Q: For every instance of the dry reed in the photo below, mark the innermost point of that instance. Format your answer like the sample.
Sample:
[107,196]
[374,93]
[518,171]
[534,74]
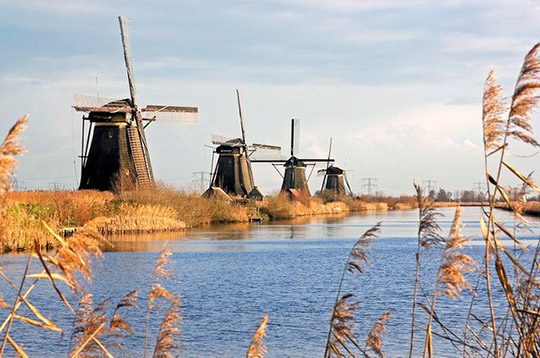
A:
[257,347]
[374,340]
[167,339]
[450,275]
[428,236]
[341,336]
[158,296]
[9,149]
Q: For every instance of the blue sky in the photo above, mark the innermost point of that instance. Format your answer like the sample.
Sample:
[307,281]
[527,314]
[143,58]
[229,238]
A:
[397,84]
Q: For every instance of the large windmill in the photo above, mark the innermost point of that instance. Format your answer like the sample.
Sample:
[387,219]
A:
[114,147]
[233,173]
[335,180]
[295,182]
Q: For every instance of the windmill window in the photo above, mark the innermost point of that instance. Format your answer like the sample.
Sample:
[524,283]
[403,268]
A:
[110,134]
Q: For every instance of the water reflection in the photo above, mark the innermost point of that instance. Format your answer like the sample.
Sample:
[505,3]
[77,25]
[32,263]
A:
[242,236]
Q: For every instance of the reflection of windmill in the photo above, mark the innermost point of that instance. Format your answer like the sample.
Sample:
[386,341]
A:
[335,180]
[118,151]
[294,180]
[233,173]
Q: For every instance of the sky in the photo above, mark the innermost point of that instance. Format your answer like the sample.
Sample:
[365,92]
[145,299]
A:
[397,84]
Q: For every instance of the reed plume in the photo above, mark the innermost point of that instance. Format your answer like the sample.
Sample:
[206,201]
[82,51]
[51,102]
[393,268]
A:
[74,258]
[342,316]
[525,98]
[257,347]
[167,339]
[9,149]
[450,274]
[455,264]
[428,228]
[359,255]
[374,340]
[492,110]
[118,325]
[169,326]
[342,341]
[89,326]
[428,236]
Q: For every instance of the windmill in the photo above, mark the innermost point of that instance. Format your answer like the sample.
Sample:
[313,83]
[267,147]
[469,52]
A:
[233,174]
[295,182]
[335,180]
[114,147]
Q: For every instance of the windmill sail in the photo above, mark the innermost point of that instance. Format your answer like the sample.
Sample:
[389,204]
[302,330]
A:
[86,103]
[126,44]
[295,136]
[116,149]
[139,151]
[264,151]
[219,139]
[171,114]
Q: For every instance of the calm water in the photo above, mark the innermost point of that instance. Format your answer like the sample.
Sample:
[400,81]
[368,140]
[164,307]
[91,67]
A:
[230,276]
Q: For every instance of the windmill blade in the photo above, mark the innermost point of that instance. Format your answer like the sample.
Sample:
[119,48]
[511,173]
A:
[295,136]
[239,100]
[86,103]
[266,147]
[171,114]
[221,139]
[265,151]
[126,43]
[329,154]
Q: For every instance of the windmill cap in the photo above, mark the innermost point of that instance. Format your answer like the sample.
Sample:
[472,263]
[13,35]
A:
[334,170]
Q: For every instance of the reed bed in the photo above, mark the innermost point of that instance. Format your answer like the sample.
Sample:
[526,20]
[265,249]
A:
[281,207]
[156,209]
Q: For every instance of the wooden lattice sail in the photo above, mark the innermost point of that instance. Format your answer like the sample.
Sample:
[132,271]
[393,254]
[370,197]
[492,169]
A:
[114,147]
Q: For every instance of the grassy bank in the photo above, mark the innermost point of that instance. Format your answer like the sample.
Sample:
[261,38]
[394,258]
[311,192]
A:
[152,210]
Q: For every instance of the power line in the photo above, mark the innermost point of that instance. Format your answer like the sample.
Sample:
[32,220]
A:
[430,185]
[201,181]
[479,187]
[370,184]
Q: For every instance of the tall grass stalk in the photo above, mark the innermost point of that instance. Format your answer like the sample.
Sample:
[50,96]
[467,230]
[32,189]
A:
[450,274]
[257,347]
[339,331]
[428,235]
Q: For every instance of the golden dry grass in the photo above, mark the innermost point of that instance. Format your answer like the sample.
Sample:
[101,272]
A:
[156,209]
[281,207]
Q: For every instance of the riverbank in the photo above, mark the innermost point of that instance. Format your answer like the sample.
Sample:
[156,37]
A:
[160,209]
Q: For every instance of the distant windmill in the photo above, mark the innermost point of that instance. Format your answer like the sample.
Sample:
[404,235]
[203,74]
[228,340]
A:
[118,150]
[335,180]
[295,182]
[233,173]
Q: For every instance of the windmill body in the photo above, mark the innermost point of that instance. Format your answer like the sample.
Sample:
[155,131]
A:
[233,173]
[114,147]
[335,181]
[295,181]
[295,177]
[115,153]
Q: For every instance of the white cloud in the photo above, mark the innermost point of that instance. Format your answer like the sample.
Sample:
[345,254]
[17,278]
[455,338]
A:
[60,6]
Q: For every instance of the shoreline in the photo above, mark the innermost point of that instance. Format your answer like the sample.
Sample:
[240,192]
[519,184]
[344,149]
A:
[164,209]
[157,210]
